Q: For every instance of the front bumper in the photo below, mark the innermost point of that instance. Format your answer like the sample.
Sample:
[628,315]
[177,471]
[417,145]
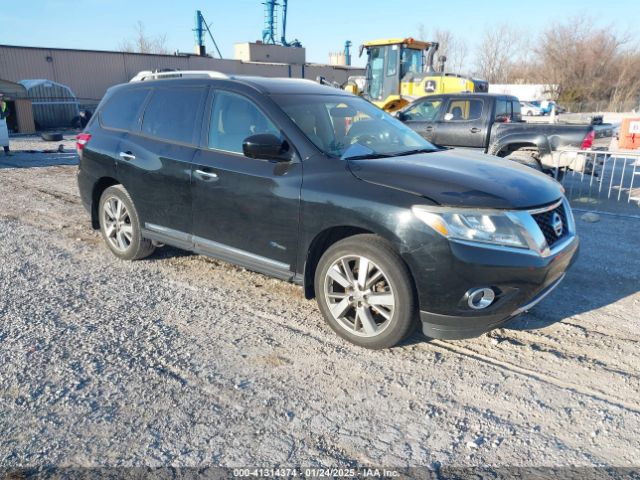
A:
[455,328]
[520,278]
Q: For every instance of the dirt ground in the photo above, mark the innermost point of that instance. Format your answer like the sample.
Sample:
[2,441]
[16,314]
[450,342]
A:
[186,361]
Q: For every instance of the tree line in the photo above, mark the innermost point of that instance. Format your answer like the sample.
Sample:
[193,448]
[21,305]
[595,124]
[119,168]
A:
[585,66]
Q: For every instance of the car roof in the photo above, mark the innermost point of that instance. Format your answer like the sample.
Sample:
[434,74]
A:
[289,85]
[477,95]
[265,85]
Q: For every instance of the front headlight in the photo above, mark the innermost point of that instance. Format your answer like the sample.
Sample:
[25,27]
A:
[488,226]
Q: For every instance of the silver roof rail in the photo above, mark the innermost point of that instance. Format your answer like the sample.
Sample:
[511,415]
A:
[149,75]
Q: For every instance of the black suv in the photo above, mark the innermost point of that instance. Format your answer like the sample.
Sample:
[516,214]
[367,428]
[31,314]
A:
[319,187]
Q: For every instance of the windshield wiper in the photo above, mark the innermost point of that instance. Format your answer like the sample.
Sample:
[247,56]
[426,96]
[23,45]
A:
[413,152]
[367,156]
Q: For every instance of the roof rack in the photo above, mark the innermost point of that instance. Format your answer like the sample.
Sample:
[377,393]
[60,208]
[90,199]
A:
[149,75]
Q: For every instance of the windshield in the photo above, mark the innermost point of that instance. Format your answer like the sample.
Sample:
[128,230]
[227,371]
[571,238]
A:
[349,126]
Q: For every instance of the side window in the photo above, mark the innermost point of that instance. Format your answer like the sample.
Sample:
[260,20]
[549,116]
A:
[502,109]
[234,118]
[122,108]
[316,124]
[516,115]
[171,114]
[425,111]
[392,61]
[376,72]
[464,110]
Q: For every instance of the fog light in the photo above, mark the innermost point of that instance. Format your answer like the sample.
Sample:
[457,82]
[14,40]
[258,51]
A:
[480,298]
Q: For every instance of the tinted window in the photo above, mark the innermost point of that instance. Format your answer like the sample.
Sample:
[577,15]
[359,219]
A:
[464,110]
[172,113]
[425,111]
[234,118]
[121,109]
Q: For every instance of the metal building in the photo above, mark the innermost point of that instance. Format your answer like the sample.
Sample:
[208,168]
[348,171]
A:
[90,72]
[54,104]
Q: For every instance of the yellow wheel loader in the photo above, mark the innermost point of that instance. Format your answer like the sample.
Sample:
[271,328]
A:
[399,70]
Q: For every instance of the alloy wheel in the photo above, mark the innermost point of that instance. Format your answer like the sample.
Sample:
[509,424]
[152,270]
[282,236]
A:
[359,295]
[117,224]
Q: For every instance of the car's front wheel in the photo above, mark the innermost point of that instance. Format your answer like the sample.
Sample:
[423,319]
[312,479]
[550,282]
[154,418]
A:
[120,225]
[365,292]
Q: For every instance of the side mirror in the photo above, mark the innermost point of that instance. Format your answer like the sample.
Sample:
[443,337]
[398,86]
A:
[448,117]
[400,115]
[266,146]
[502,119]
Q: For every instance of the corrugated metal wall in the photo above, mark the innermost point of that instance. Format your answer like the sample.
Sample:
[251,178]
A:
[89,73]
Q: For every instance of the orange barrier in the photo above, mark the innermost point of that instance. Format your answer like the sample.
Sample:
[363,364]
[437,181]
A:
[629,134]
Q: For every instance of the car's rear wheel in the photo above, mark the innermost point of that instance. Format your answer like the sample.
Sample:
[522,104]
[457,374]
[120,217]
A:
[365,292]
[120,225]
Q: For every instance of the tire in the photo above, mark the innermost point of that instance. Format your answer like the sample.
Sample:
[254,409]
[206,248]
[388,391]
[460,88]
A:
[525,158]
[120,225]
[348,307]
[51,137]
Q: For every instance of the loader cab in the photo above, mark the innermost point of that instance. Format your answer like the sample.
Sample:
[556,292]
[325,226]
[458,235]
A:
[389,63]
[382,77]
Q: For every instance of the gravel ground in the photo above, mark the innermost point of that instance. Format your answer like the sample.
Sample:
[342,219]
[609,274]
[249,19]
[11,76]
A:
[185,361]
[24,143]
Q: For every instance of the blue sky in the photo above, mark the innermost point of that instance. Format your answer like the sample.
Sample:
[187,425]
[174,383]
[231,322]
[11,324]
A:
[320,26]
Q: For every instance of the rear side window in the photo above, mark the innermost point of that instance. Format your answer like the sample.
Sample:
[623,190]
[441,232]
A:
[122,108]
[172,113]
[516,115]
[502,109]
[464,110]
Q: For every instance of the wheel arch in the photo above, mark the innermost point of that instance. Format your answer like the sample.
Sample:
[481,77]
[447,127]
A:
[507,149]
[512,142]
[100,186]
[328,237]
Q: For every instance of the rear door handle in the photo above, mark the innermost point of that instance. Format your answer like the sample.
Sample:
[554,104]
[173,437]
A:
[206,175]
[475,129]
[128,156]
[428,129]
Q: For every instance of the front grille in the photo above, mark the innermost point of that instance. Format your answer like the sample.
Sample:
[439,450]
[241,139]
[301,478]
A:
[545,221]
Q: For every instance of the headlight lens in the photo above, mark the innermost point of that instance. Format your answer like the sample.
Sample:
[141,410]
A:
[473,225]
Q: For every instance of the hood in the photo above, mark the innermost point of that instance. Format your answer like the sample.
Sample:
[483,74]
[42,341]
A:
[461,178]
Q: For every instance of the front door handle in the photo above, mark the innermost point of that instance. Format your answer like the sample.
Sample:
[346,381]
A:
[206,175]
[128,156]
[428,129]
[475,130]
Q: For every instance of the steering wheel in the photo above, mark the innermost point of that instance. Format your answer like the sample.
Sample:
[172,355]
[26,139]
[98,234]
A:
[365,139]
